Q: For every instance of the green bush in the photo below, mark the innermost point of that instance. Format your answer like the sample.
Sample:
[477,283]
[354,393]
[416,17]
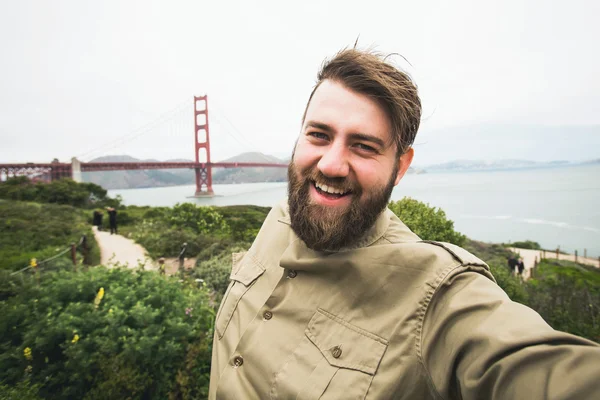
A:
[526,244]
[30,230]
[23,390]
[214,266]
[567,296]
[198,219]
[62,191]
[162,240]
[244,221]
[429,223]
[148,336]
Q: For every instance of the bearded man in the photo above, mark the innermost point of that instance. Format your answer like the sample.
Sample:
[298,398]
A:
[338,299]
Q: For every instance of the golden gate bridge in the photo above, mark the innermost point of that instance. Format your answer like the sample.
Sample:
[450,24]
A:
[203,170]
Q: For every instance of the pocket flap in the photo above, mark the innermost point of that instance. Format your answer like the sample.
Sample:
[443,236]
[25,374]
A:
[245,269]
[345,345]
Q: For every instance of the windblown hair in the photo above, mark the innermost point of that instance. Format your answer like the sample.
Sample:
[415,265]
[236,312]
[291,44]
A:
[367,72]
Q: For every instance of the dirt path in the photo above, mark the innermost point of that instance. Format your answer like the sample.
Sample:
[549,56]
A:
[530,256]
[118,250]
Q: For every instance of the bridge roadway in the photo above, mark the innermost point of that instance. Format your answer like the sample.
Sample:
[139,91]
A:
[116,166]
[56,170]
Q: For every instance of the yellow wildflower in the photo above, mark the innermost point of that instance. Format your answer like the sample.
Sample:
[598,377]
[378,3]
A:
[99,297]
[27,354]
[75,338]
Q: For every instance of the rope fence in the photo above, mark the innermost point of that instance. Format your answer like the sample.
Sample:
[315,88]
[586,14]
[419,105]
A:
[71,248]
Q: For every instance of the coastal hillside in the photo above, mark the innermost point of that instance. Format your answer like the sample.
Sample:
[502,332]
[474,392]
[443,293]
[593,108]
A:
[173,177]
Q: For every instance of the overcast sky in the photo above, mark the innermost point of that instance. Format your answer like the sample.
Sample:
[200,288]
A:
[504,79]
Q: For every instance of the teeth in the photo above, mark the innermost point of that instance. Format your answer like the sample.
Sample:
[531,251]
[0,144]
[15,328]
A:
[329,189]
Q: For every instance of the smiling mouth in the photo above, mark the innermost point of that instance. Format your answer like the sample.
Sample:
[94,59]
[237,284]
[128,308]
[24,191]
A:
[331,191]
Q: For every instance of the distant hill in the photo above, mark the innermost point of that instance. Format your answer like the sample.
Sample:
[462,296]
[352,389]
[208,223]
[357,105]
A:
[487,165]
[250,175]
[171,177]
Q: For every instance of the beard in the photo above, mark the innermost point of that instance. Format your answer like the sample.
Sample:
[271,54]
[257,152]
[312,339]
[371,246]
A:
[325,228]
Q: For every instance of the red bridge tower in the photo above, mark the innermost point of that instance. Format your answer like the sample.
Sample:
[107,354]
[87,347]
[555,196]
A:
[202,142]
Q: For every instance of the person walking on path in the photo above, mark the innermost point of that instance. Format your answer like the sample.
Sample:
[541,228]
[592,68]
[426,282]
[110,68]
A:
[521,266]
[97,221]
[112,219]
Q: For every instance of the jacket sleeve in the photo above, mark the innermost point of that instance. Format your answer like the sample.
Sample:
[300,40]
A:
[478,344]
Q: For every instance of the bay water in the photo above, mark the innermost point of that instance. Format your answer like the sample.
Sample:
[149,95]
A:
[557,206]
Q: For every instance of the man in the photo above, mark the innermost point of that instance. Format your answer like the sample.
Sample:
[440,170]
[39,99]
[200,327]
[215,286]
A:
[112,219]
[338,299]
[521,266]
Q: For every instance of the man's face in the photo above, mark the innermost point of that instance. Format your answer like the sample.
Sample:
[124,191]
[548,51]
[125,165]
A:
[343,169]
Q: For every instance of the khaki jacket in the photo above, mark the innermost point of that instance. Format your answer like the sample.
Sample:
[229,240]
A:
[393,318]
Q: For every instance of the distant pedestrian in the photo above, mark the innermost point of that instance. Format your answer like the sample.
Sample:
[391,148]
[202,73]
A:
[97,219]
[112,219]
[512,264]
[521,266]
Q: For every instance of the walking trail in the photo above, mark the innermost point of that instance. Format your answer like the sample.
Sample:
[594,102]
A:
[118,250]
[530,256]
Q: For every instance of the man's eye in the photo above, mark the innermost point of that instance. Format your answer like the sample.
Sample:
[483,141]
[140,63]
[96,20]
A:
[318,135]
[365,147]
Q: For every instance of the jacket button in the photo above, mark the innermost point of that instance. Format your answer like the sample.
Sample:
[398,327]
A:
[238,361]
[267,315]
[336,352]
[292,274]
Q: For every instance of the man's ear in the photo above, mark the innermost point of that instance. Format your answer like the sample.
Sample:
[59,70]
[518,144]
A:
[404,163]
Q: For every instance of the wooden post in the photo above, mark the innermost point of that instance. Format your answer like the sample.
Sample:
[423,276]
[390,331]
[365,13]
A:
[575,255]
[557,251]
[584,253]
[86,250]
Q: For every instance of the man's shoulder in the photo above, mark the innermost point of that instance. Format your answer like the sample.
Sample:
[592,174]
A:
[398,234]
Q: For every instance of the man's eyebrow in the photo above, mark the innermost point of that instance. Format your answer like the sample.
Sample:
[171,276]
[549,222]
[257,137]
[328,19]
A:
[368,138]
[319,125]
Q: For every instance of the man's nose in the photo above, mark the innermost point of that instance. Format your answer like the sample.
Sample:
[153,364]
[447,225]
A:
[334,162]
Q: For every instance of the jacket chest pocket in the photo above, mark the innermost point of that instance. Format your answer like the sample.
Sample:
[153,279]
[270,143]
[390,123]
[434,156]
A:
[334,360]
[244,272]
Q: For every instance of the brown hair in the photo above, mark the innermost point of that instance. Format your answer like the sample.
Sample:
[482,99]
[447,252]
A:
[368,73]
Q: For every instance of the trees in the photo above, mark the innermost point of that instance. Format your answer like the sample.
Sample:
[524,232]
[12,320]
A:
[62,191]
[429,223]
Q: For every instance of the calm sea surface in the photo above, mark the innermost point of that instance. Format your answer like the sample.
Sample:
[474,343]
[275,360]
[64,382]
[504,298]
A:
[553,206]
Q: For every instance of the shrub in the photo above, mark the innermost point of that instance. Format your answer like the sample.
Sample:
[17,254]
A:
[40,231]
[145,336]
[216,268]
[162,240]
[62,191]
[244,221]
[429,223]
[527,244]
[567,296]
[199,219]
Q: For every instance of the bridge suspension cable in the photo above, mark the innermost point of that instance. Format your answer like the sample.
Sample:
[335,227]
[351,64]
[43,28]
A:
[138,132]
[239,137]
